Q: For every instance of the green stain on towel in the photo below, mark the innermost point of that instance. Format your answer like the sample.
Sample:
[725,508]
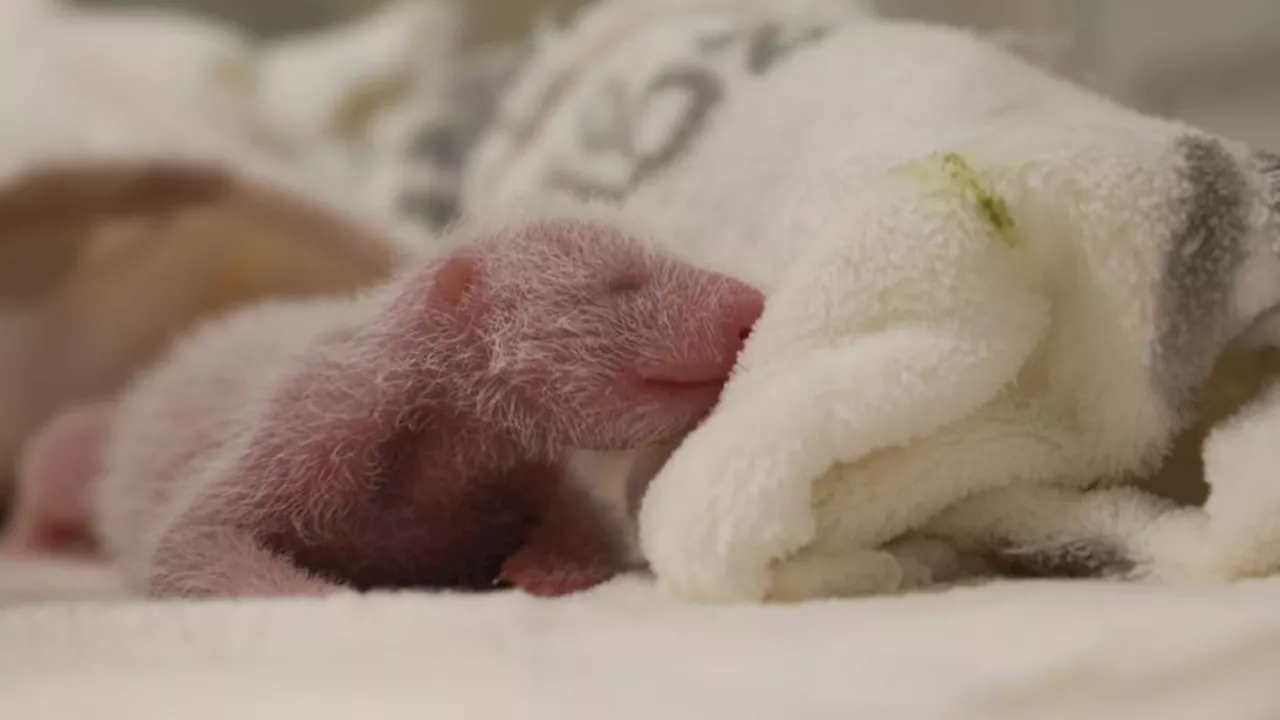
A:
[949,172]
[993,207]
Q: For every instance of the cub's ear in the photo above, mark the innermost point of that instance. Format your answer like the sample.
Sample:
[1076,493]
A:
[455,277]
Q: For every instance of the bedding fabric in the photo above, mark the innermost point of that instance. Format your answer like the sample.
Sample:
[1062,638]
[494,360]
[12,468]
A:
[1014,650]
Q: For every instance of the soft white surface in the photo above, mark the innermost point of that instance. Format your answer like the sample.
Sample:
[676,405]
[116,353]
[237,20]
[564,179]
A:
[1023,651]
[30,580]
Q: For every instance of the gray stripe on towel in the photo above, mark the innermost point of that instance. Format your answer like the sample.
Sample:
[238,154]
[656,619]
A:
[1194,315]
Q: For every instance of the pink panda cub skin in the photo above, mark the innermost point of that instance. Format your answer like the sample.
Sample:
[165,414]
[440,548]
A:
[416,436]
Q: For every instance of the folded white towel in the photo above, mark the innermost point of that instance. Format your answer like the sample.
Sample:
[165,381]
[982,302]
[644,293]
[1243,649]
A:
[980,276]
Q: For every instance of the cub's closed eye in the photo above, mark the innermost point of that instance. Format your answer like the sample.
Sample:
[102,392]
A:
[627,282]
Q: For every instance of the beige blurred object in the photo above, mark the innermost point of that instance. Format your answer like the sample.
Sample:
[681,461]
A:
[104,265]
[493,21]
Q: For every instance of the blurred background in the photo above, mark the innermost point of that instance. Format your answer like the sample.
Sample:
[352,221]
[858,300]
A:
[1213,63]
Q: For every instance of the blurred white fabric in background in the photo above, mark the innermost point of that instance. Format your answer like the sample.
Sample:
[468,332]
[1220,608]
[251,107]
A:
[1214,64]
[1209,62]
[154,80]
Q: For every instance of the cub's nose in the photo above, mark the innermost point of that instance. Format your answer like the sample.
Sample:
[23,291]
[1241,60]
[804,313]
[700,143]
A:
[743,309]
[707,353]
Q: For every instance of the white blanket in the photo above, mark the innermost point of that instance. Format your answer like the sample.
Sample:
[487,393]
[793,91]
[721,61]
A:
[1012,651]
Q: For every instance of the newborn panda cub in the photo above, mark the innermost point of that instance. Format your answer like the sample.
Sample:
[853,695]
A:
[416,436]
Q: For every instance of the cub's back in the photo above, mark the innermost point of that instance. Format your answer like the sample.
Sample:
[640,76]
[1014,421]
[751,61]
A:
[177,427]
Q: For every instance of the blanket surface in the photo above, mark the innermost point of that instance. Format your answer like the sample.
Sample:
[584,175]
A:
[1026,651]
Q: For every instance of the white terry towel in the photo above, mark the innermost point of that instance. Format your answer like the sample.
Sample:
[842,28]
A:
[980,278]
